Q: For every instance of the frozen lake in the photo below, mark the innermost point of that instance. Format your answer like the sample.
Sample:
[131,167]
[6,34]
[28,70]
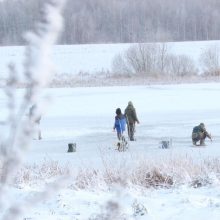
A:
[85,116]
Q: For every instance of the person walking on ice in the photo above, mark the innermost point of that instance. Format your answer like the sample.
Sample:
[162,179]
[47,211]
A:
[120,123]
[34,118]
[199,133]
[131,116]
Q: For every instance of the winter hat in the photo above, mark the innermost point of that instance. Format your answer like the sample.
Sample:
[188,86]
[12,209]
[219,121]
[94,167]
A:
[130,103]
[118,111]
[202,125]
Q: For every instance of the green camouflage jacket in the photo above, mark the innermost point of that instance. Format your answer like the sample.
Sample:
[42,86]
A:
[131,115]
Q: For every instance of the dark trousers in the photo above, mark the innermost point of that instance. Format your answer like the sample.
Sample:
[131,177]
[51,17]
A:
[119,135]
[200,136]
[131,129]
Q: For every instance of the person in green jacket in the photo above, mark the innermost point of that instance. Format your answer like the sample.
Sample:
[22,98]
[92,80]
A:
[131,117]
[199,133]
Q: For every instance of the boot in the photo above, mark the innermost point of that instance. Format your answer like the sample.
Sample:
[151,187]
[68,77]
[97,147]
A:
[202,142]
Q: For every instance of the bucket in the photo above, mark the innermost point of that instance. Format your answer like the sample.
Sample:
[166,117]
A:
[71,147]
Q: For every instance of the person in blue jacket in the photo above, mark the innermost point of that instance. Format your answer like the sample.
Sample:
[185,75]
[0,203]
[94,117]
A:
[120,123]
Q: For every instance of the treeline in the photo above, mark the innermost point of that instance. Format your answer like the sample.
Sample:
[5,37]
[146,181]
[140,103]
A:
[102,21]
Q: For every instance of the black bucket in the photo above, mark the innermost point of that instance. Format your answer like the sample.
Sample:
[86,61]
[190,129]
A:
[71,147]
[165,144]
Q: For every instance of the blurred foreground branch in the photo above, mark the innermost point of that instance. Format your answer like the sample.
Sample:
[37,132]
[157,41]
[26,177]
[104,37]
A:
[38,68]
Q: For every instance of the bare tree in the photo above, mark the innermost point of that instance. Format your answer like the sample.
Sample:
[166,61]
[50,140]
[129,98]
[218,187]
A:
[147,59]
[180,66]
[210,60]
[153,60]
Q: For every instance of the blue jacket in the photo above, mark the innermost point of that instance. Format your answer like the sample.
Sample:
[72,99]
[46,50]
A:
[120,123]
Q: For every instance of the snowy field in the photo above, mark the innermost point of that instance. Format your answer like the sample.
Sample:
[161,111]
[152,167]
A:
[85,116]
[72,59]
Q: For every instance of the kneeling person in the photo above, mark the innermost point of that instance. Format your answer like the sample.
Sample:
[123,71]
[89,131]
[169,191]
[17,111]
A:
[199,133]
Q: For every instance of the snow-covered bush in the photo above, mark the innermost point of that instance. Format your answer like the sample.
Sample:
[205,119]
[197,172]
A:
[139,209]
[152,60]
[34,174]
[210,61]
[138,59]
[165,173]
[180,66]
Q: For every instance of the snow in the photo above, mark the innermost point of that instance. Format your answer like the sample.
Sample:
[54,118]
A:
[85,116]
[73,59]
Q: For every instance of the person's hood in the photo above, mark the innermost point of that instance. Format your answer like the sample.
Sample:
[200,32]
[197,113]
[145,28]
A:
[130,103]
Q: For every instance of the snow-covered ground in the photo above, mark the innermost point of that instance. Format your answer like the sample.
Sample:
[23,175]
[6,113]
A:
[85,116]
[92,58]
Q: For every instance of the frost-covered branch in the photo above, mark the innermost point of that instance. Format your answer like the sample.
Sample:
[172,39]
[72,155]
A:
[38,68]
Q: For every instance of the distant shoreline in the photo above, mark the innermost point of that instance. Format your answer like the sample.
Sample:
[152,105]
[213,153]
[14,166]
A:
[72,81]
